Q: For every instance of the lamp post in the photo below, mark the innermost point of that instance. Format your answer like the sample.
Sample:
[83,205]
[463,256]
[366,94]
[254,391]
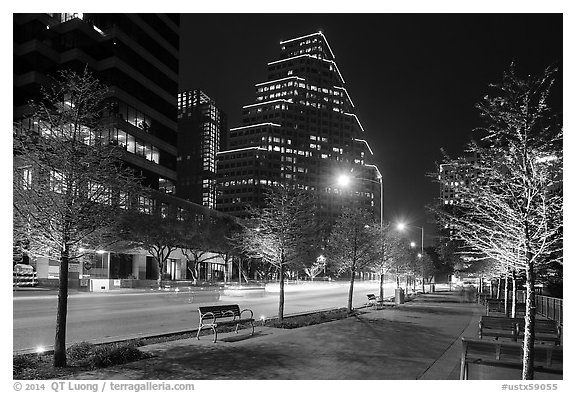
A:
[401,226]
[345,180]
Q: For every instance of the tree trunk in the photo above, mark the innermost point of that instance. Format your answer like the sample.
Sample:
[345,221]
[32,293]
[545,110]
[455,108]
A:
[160,268]
[513,314]
[351,290]
[506,294]
[61,313]
[529,320]
[423,289]
[491,288]
[381,286]
[281,302]
[498,292]
[239,271]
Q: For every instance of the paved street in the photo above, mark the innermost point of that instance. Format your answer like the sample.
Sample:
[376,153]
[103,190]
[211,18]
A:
[111,316]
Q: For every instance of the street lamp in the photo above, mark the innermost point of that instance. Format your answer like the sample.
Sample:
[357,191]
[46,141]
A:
[344,181]
[401,226]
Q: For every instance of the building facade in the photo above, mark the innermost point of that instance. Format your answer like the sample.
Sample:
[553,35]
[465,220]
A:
[301,130]
[202,128]
[136,56]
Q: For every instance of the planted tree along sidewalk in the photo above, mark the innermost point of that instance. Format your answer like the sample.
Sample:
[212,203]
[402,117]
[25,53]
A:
[70,185]
[353,244]
[281,233]
[512,211]
[391,252]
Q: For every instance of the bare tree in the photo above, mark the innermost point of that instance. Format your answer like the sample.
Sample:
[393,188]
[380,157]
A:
[69,185]
[391,252]
[159,236]
[512,211]
[206,240]
[316,268]
[281,233]
[353,244]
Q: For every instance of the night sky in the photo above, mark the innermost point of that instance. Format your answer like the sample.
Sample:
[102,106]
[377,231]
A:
[414,78]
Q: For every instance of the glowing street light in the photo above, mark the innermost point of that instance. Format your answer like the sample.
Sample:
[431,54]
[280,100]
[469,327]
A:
[401,226]
[344,181]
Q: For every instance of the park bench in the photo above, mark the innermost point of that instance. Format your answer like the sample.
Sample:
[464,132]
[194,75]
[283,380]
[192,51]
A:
[547,358]
[376,302]
[494,305]
[497,306]
[497,327]
[545,330]
[221,315]
[372,299]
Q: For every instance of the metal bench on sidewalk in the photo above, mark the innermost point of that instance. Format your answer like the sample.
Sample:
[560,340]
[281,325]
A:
[223,315]
[377,302]
[509,354]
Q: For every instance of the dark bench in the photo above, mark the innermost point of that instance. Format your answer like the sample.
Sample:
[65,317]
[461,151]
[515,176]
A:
[545,330]
[372,299]
[497,306]
[494,305]
[376,302]
[223,315]
[496,327]
[547,358]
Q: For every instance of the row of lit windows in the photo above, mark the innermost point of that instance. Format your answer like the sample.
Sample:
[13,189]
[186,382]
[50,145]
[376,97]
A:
[112,136]
[287,84]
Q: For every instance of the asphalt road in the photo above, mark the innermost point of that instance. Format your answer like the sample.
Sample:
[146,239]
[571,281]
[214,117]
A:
[108,316]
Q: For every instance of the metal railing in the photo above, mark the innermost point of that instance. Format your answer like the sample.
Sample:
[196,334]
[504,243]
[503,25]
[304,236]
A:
[546,306]
[549,307]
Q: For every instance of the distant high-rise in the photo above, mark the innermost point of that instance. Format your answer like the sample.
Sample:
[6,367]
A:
[453,178]
[301,130]
[202,129]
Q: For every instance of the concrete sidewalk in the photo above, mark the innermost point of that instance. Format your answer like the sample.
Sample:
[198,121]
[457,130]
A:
[417,340]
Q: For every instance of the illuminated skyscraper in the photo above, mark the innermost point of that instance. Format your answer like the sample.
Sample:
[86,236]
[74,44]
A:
[201,132]
[301,130]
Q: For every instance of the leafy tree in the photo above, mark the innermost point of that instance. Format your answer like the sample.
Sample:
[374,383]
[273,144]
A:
[69,185]
[353,244]
[512,211]
[281,233]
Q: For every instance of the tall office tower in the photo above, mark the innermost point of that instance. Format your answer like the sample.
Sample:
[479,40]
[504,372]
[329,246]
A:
[452,178]
[301,130]
[202,128]
[136,55]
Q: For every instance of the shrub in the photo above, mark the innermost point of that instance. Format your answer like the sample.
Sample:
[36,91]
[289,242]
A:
[113,354]
[80,353]
[23,362]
